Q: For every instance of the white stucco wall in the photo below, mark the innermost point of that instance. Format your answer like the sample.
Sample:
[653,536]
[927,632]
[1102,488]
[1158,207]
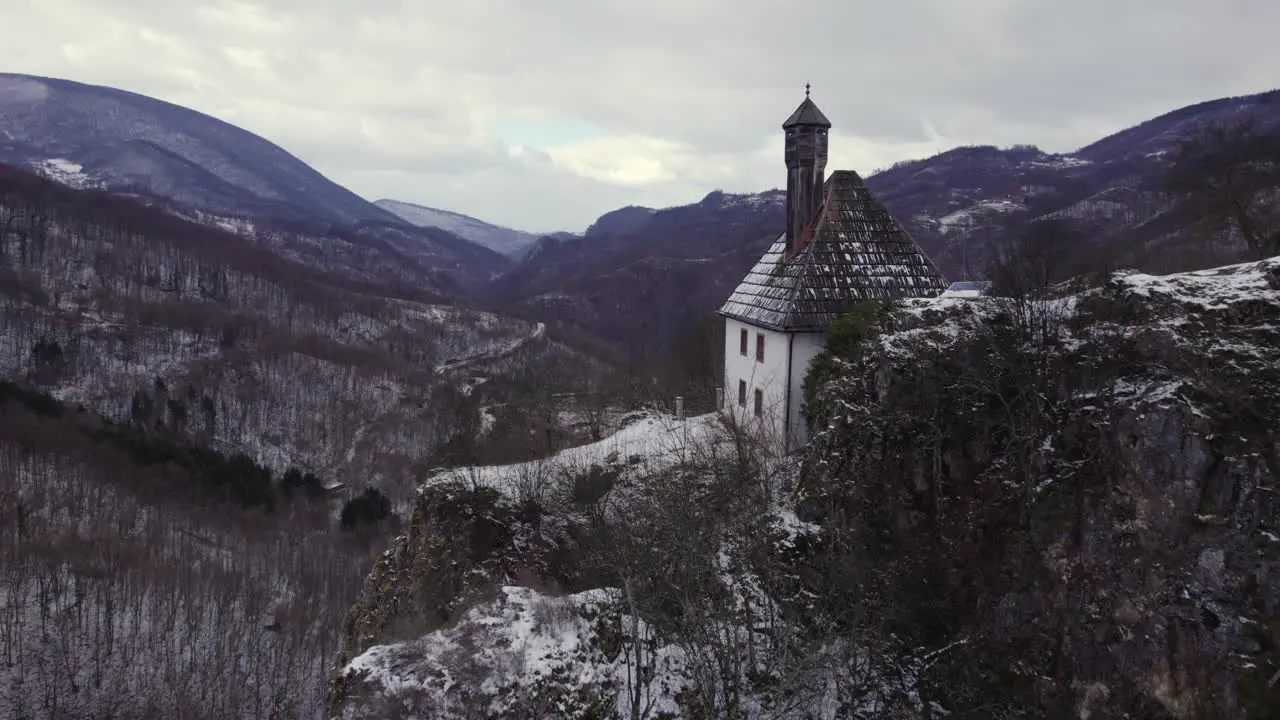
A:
[771,377]
[804,347]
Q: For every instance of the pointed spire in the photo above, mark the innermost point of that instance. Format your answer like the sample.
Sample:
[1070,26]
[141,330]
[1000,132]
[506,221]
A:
[807,114]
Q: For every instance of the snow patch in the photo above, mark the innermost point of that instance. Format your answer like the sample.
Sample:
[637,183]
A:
[65,166]
[23,90]
[659,440]
[511,644]
[1214,289]
[495,237]
[963,219]
[65,171]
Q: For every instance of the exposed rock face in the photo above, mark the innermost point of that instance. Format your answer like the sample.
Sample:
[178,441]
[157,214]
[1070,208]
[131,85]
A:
[1081,490]
[654,594]
[1056,508]
[461,544]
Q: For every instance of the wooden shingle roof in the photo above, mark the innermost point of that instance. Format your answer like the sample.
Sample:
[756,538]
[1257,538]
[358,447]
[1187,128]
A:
[807,114]
[856,251]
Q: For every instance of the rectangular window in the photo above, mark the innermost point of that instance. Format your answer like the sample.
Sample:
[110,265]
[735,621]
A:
[742,393]
[759,347]
[759,404]
[742,343]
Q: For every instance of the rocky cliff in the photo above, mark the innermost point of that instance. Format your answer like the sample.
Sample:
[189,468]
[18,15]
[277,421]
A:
[1079,488]
[1051,505]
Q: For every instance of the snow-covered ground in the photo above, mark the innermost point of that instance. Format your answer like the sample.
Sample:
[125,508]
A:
[1212,289]
[592,653]
[65,172]
[963,219]
[652,441]
[520,638]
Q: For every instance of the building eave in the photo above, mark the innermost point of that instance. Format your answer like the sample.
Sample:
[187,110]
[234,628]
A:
[790,329]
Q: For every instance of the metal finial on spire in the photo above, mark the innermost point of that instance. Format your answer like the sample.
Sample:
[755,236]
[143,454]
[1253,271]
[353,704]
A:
[806,89]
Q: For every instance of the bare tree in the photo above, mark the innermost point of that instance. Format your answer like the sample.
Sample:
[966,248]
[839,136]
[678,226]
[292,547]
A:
[1231,172]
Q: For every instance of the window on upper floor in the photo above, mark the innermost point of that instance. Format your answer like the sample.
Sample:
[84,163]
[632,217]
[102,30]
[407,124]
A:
[742,342]
[742,393]
[759,403]
[759,347]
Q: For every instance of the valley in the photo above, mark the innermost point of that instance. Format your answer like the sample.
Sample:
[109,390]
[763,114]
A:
[123,315]
[274,450]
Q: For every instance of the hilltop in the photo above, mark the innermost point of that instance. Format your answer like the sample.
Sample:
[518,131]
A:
[1084,490]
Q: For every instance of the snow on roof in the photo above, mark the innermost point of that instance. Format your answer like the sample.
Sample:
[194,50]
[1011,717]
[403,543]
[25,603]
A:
[967,289]
[857,252]
[658,440]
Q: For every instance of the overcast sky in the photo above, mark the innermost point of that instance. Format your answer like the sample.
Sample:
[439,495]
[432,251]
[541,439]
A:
[543,114]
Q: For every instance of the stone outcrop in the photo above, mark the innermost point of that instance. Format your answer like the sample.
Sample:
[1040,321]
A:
[1080,489]
[1059,507]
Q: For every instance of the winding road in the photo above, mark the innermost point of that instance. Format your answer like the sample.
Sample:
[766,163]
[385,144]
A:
[539,331]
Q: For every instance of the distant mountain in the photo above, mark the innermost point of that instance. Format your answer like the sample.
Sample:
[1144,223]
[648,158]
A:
[957,202]
[645,271]
[639,276]
[509,242]
[119,140]
[200,167]
[625,220]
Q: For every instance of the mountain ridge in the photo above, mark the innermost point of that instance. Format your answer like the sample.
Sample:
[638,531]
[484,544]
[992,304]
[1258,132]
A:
[196,165]
[959,205]
[72,107]
[508,241]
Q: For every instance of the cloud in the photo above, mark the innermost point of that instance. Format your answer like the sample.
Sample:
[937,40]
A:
[545,115]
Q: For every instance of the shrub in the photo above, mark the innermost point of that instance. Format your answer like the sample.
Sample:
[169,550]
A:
[370,507]
[845,340]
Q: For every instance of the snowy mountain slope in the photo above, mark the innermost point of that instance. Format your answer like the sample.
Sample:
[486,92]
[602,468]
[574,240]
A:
[639,276]
[1111,189]
[126,141]
[425,259]
[1160,134]
[509,242]
[87,136]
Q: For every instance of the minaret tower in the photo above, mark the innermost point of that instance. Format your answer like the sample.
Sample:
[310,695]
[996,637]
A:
[806,155]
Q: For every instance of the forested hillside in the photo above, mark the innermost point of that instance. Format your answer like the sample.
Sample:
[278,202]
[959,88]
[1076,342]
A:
[137,314]
[147,576]
[202,444]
